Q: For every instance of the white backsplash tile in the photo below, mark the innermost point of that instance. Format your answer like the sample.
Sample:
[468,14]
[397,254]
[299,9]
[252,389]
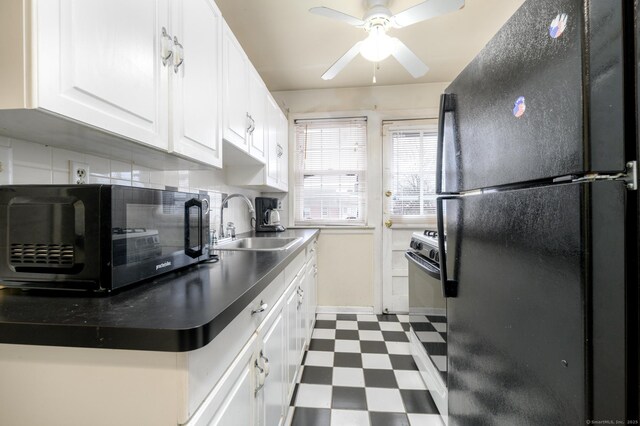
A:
[120,170]
[60,178]
[30,175]
[121,182]
[99,179]
[140,174]
[99,166]
[25,162]
[61,158]
[33,155]
[156,177]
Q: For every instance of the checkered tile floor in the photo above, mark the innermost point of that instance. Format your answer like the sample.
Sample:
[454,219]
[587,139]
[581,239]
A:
[359,371]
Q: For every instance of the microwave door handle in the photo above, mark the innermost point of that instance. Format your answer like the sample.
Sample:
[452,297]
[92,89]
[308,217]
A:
[446,106]
[449,286]
[194,202]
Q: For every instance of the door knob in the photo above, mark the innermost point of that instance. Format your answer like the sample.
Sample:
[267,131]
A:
[388,193]
[388,223]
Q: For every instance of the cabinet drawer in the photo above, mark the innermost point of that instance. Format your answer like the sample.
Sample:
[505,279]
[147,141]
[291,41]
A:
[206,365]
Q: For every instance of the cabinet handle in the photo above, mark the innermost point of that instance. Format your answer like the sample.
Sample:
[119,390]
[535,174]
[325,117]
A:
[267,366]
[178,59]
[280,150]
[263,307]
[167,53]
[261,377]
[251,125]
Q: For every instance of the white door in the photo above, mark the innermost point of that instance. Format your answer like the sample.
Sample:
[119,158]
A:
[258,116]
[274,391]
[409,160]
[100,62]
[197,80]
[236,91]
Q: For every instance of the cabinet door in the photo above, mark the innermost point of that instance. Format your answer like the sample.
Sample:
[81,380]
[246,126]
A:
[100,63]
[236,91]
[275,385]
[232,401]
[258,116]
[273,162]
[283,158]
[303,311]
[292,342]
[197,80]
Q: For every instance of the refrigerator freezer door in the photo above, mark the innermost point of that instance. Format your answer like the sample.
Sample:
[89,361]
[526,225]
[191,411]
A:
[536,332]
[537,102]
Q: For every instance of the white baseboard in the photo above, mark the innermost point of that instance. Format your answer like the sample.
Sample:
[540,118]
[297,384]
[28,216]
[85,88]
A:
[344,309]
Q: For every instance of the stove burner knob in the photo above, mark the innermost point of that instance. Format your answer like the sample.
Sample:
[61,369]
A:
[432,254]
[437,257]
[412,244]
[418,246]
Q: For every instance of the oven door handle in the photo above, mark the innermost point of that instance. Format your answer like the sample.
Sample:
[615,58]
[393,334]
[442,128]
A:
[194,202]
[425,267]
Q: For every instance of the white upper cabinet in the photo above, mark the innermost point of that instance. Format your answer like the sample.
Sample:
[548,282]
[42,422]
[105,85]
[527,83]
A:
[257,116]
[196,80]
[278,155]
[99,62]
[117,73]
[236,91]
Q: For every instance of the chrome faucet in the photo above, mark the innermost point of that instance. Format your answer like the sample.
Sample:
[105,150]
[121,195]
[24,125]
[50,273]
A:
[224,201]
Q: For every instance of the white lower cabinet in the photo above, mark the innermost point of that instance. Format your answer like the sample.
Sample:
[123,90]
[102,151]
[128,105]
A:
[292,313]
[270,366]
[232,401]
[244,377]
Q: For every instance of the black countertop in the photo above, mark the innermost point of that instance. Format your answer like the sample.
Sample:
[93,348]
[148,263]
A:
[177,312]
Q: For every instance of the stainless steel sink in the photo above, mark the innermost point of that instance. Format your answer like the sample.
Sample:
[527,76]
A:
[258,244]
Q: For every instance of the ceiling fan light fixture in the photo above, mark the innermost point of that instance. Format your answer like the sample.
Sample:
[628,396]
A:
[377,46]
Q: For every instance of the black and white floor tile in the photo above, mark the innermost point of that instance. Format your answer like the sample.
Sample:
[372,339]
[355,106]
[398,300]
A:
[359,371]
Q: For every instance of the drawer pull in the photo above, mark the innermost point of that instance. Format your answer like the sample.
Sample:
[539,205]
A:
[263,307]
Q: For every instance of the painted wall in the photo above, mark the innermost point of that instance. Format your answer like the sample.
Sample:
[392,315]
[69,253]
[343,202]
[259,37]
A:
[350,272]
[23,162]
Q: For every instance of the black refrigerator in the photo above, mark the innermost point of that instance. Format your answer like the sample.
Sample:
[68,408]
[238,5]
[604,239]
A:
[538,201]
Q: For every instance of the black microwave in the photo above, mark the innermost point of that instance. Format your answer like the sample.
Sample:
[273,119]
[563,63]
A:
[97,237]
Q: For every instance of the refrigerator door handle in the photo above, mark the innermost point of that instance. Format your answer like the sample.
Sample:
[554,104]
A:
[449,286]
[446,106]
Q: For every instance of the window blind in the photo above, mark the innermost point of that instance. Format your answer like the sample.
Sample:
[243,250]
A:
[412,175]
[330,171]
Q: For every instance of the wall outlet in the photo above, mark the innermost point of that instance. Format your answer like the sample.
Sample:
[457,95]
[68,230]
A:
[78,173]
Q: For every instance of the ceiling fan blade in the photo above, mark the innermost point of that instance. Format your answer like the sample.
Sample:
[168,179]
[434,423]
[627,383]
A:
[342,62]
[408,59]
[334,14]
[425,10]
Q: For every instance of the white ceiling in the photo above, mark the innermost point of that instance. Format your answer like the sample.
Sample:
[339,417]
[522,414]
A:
[291,48]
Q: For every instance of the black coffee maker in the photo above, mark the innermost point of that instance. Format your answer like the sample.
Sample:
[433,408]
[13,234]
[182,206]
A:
[267,215]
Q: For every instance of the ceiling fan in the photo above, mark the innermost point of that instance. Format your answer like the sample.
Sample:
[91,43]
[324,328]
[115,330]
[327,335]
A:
[377,21]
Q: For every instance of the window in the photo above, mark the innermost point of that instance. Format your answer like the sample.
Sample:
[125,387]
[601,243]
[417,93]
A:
[412,174]
[330,171]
